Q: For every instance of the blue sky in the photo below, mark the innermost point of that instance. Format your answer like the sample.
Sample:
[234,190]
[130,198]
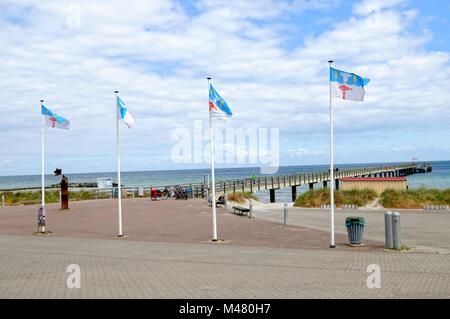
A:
[267,59]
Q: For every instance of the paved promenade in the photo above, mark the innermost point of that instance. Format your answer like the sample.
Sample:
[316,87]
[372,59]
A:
[167,254]
[420,229]
[175,221]
[35,267]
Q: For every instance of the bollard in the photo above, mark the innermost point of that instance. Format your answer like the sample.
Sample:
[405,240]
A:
[3,200]
[396,239]
[285,213]
[226,201]
[250,207]
[388,230]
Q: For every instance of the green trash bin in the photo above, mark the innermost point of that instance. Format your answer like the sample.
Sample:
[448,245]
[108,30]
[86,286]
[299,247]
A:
[355,229]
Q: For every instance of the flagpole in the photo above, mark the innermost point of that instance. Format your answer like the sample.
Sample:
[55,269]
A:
[42,162]
[332,181]
[119,188]
[213,182]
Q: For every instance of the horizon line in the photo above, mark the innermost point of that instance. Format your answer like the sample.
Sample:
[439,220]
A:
[218,168]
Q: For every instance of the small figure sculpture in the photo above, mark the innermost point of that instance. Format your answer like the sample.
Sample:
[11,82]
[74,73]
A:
[64,189]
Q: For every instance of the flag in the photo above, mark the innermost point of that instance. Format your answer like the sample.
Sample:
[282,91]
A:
[124,113]
[347,86]
[218,108]
[54,120]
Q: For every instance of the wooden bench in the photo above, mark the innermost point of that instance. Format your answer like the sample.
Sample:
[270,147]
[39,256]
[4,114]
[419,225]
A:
[220,201]
[239,210]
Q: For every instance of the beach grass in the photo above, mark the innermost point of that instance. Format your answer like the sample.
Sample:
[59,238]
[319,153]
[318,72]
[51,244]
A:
[316,198]
[416,198]
[240,197]
[51,196]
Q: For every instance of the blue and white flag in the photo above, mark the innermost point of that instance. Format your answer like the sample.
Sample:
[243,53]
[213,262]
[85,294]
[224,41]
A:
[53,120]
[124,113]
[218,108]
[347,86]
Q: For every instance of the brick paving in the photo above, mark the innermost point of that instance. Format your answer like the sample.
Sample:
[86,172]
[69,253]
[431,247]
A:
[175,221]
[167,254]
[35,267]
[421,230]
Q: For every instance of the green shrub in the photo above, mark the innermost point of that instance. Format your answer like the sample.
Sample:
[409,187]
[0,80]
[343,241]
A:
[316,198]
[51,196]
[82,195]
[416,198]
[240,197]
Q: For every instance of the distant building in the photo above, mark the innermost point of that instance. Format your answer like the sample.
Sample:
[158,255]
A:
[378,184]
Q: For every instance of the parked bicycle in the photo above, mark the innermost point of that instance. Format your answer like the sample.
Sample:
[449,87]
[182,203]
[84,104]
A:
[171,191]
[180,193]
[156,194]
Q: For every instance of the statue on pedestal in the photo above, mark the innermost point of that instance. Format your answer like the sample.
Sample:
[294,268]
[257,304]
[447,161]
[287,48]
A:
[64,189]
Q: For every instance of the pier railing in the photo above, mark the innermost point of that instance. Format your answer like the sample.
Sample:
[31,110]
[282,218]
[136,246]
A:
[270,183]
[282,181]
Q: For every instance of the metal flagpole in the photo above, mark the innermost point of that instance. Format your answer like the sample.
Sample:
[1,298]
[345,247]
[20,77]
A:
[332,181]
[213,183]
[42,161]
[119,189]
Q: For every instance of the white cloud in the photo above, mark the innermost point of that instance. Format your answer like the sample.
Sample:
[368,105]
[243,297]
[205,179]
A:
[367,7]
[158,56]
[302,152]
[404,148]
[5,163]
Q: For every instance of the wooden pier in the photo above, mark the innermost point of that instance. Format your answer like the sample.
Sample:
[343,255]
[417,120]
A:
[272,183]
[268,183]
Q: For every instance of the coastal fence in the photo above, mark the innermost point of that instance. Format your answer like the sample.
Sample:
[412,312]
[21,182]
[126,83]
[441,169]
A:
[311,178]
[271,183]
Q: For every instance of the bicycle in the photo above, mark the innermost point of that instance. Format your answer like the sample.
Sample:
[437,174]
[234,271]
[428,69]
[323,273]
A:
[156,194]
[180,193]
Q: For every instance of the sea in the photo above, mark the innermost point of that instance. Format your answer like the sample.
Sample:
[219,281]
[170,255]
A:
[438,178]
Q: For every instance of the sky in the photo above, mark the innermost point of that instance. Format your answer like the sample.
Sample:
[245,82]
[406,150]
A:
[267,58]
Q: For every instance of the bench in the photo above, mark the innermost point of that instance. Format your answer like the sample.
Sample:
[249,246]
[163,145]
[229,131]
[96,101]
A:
[220,201]
[239,210]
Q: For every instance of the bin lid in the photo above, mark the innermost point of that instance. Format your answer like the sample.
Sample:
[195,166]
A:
[354,220]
